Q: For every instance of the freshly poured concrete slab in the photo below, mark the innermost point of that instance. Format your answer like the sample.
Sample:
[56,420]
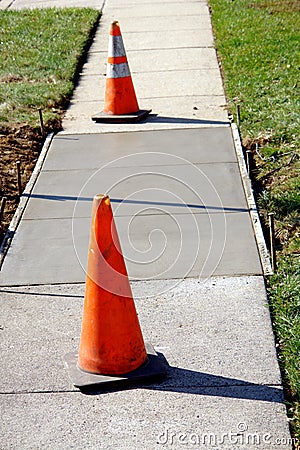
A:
[223,223]
[205,331]
[44,250]
[69,152]
[155,247]
[201,188]
[182,245]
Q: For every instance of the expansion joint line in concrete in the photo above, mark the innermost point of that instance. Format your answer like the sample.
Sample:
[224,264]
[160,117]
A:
[192,47]
[132,281]
[169,31]
[72,283]
[172,70]
[67,391]
[172,388]
[106,13]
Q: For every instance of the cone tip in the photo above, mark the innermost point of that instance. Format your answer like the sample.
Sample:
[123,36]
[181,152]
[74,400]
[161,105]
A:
[102,197]
[115,29]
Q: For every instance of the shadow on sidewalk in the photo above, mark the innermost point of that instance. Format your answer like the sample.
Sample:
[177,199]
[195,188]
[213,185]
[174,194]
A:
[152,118]
[186,381]
[64,198]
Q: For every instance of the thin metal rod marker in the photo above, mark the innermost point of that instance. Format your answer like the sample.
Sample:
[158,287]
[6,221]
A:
[272,241]
[2,208]
[238,113]
[18,164]
[248,161]
[41,122]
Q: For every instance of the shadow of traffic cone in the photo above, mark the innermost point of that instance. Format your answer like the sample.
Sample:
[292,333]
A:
[120,103]
[112,348]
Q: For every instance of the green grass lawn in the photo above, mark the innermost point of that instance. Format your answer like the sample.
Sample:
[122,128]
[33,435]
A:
[258,44]
[40,53]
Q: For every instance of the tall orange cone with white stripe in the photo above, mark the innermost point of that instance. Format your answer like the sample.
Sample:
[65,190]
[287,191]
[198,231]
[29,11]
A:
[111,345]
[120,104]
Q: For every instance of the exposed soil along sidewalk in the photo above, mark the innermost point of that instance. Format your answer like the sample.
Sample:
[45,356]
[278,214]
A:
[24,145]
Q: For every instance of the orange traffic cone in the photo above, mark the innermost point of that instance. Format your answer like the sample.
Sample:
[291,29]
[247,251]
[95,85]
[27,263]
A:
[120,103]
[111,345]
[111,339]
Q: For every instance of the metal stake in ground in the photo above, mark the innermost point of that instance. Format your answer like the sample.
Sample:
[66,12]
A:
[42,123]
[19,181]
[2,208]
[272,241]
[238,114]
[248,160]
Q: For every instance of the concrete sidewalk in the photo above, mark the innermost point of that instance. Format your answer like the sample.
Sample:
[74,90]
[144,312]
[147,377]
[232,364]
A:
[187,237]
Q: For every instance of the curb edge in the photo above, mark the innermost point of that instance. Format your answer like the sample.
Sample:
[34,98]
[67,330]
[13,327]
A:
[256,224]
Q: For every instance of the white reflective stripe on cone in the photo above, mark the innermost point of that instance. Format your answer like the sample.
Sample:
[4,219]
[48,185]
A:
[117,70]
[116,47]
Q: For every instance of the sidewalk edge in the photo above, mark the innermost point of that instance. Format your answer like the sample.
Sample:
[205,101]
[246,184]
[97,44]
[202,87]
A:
[256,224]
[24,200]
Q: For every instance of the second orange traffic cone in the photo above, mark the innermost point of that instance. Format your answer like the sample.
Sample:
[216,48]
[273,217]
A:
[120,103]
[111,345]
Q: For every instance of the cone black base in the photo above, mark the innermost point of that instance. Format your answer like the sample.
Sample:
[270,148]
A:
[152,370]
[121,118]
